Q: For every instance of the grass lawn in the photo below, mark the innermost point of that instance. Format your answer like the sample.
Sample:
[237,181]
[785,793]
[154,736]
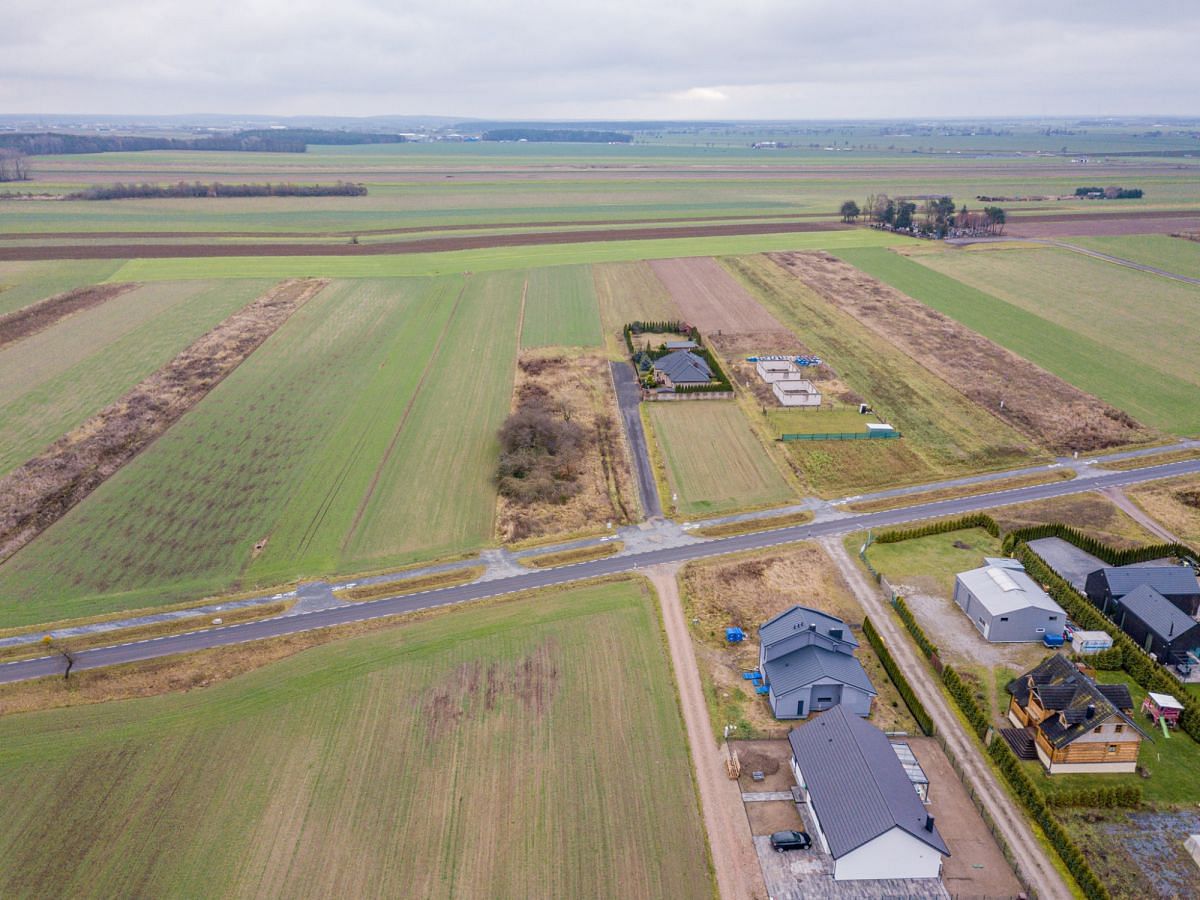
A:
[1115,333]
[933,558]
[525,748]
[629,292]
[945,433]
[1173,763]
[1174,504]
[714,462]
[489,259]
[54,380]
[1094,513]
[560,309]
[841,418]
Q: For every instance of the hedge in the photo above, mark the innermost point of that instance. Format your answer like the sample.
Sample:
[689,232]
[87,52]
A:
[1031,798]
[928,647]
[1114,556]
[1126,797]
[965,698]
[902,685]
[975,520]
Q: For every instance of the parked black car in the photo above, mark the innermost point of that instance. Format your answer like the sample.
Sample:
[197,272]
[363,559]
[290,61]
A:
[790,840]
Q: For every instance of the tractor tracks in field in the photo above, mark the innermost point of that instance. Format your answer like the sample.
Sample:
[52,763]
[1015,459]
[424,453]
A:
[408,408]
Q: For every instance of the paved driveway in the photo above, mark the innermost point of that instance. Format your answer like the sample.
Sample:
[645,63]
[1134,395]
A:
[629,395]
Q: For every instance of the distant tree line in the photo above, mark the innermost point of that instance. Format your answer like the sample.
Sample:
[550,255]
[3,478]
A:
[557,135]
[120,191]
[935,217]
[13,166]
[1112,192]
[258,141]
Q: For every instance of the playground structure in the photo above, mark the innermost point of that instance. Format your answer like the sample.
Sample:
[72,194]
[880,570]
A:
[1163,710]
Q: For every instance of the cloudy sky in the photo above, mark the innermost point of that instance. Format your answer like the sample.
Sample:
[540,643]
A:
[593,59]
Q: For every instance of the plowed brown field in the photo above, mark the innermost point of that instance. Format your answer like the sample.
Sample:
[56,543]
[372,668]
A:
[1101,225]
[711,298]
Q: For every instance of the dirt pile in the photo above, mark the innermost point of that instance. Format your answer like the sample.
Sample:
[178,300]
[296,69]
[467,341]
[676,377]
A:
[41,315]
[38,493]
[1056,415]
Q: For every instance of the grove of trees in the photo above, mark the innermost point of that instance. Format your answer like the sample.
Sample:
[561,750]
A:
[13,166]
[120,191]
[935,217]
[541,451]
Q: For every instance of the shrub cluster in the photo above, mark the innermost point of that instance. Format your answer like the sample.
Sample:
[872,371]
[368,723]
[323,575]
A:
[540,453]
[1127,796]
[975,520]
[902,685]
[120,191]
[1025,790]
[928,647]
[964,696]
[1114,556]
[1110,660]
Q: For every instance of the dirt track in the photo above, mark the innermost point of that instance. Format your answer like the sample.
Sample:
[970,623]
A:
[1032,858]
[29,320]
[425,245]
[733,855]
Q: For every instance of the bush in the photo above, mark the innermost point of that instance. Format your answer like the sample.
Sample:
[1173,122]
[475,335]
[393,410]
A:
[1117,797]
[924,721]
[540,454]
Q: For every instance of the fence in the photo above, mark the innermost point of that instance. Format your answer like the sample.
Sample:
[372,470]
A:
[691,395]
[842,436]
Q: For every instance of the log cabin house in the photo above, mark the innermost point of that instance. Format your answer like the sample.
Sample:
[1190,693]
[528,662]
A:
[1070,723]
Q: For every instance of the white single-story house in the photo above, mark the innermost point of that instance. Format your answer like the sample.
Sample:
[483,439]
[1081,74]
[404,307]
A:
[796,393]
[1005,604]
[865,812]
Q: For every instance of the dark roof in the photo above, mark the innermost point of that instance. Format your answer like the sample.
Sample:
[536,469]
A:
[812,663]
[1063,689]
[858,787]
[682,345]
[684,367]
[798,618]
[1175,580]
[1161,616]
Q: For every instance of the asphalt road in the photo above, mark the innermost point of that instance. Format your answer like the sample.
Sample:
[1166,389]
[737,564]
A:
[359,612]
[629,395]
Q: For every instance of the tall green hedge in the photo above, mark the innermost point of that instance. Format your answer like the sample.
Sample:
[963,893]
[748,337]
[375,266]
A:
[974,520]
[1031,798]
[928,647]
[1127,796]
[965,698]
[902,685]
[1114,556]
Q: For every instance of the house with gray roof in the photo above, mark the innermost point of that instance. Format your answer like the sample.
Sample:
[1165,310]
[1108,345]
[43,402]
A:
[865,812]
[807,661]
[1176,583]
[682,367]
[1070,722]
[1156,624]
[1005,604]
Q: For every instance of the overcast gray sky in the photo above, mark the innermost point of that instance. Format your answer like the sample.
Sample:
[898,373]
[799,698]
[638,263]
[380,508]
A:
[593,59]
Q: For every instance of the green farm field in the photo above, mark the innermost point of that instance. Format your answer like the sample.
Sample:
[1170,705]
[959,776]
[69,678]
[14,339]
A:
[560,309]
[353,438]
[54,380]
[1177,255]
[629,292]
[23,283]
[527,748]
[714,462]
[489,259]
[1109,330]
[945,434]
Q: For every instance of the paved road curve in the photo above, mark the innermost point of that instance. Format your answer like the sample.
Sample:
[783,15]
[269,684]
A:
[359,612]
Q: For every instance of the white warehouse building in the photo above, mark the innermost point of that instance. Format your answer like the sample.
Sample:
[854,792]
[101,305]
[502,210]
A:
[1005,604]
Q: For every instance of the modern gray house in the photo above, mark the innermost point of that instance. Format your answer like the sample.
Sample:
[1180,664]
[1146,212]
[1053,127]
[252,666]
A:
[865,812]
[1177,584]
[1005,604]
[807,661]
[682,367]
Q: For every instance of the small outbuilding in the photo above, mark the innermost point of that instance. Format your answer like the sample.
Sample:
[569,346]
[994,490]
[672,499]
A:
[796,393]
[1006,605]
[1162,707]
[773,370]
[865,812]
[1084,643]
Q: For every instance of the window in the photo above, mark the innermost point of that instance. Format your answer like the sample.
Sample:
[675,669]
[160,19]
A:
[824,699]
[1039,631]
[1112,748]
[1054,618]
[1097,729]
[1004,618]
[1119,729]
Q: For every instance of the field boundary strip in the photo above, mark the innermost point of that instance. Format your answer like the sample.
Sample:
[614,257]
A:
[37,317]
